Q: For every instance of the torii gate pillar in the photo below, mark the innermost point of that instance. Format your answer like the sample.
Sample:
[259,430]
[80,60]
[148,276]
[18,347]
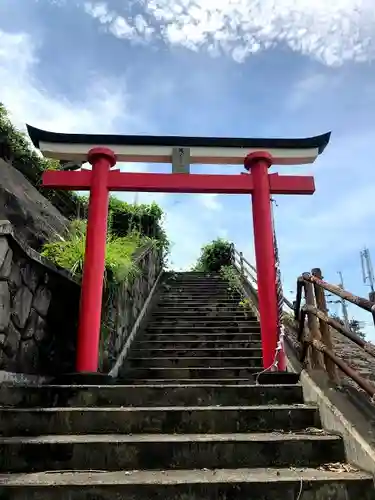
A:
[102,160]
[258,163]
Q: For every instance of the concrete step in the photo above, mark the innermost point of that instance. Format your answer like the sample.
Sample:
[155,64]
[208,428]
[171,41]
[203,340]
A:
[202,281]
[200,291]
[233,316]
[207,300]
[202,327]
[188,382]
[203,321]
[207,328]
[198,352]
[214,295]
[236,314]
[175,335]
[148,395]
[170,420]
[168,451]
[192,276]
[187,314]
[196,285]
[190,373]
[235,304]
[233,307]
[186,275]
[219,484]
[197,282]
[208,303]
[233,312]
[195,344]
[192,362]
[197,279]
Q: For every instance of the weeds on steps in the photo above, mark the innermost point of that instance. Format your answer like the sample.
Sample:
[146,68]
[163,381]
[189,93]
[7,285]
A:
[230,274]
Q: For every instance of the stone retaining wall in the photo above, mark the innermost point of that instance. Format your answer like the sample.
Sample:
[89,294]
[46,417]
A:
[39,307]
[38,311]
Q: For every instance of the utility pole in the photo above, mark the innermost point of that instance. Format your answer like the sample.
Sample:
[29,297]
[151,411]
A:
[343,303]
[368,272]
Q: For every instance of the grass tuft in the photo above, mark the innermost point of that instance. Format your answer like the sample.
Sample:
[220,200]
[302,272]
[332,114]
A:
[69,253]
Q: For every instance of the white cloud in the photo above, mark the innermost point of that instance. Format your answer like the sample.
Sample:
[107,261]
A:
[28,101]
[133,167]
[99,11]
[331,32]
[119,25]
[308,88]
[210,202]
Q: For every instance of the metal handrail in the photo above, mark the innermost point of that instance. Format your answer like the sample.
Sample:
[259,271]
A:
[243,260]
[143,252]
[249,269]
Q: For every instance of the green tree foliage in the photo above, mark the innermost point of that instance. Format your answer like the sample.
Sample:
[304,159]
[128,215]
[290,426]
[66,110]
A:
[125,218]
[214,256]
[19,146]
[15,145]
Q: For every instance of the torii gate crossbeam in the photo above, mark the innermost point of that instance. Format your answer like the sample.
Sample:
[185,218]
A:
[179,183]
[102,152]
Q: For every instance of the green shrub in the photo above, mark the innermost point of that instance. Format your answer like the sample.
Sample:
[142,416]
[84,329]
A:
[214,256]
[69,253]
[125,218]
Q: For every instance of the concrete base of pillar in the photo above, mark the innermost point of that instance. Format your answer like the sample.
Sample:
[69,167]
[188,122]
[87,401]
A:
[278,377]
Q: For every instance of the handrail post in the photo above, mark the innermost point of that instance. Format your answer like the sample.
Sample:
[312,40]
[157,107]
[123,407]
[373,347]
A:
[371,297]
[297,302]
[232,254]
[315,356]
[325,331]
[242,269]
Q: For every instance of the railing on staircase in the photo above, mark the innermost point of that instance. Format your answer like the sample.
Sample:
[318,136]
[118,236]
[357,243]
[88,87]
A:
[248,275]
[309,329]
[126,305]
[315,335]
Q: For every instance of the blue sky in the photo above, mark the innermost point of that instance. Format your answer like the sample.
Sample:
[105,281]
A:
[228,68]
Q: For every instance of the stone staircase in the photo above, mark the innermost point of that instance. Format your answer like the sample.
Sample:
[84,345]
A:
[187,422]
[198,333]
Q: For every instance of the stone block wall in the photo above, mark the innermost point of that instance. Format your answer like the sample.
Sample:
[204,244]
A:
[124,306]
[38,311]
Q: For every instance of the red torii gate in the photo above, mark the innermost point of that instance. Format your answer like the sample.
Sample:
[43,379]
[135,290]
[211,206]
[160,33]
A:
[103,151]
